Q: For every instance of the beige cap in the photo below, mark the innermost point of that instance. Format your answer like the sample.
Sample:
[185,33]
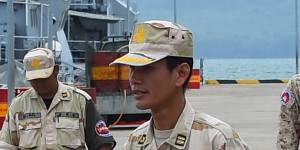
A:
[39,63]
[154,40]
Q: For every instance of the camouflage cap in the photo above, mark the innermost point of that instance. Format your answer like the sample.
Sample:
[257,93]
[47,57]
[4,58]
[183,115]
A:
[154,40]
[39,63]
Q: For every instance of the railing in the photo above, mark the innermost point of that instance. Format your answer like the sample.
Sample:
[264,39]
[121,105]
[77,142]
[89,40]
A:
[29,42]
[79,49]
[80,3]
[79,55]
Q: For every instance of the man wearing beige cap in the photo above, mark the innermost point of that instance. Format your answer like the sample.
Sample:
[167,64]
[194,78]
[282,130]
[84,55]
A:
[161,61]
[51,115]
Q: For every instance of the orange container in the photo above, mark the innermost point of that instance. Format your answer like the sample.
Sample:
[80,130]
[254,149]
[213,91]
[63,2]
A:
[3,105]
[194,82]
[107,78]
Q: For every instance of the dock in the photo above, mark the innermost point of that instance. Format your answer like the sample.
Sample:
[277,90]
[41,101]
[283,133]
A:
[251,109]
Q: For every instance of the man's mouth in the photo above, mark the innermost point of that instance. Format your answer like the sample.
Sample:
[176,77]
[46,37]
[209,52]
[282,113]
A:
[139,93]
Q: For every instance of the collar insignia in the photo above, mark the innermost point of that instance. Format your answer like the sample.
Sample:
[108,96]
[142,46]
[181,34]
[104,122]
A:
[180,140]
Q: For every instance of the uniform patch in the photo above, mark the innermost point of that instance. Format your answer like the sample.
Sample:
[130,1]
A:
[139,34]
[101,129]
[200,126]
[287,98]
[67,114]
[180,140]
[23,116]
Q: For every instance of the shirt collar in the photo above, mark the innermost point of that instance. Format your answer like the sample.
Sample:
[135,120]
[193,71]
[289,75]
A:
[181,133]
[149,134]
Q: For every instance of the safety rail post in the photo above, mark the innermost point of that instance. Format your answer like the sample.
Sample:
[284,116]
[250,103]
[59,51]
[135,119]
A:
[10,51]
[201,70]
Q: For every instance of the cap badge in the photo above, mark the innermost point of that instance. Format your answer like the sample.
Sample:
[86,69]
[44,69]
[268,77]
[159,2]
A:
[139,34]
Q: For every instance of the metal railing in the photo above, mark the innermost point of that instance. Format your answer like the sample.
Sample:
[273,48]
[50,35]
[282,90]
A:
[78,3]
[29,42]
[79,49]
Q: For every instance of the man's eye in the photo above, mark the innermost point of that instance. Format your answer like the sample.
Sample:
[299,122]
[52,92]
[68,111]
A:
[147,68]
[141,69]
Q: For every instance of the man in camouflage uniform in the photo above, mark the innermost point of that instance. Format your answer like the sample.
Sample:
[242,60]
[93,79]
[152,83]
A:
[52,115]
[289,125]
[161,61]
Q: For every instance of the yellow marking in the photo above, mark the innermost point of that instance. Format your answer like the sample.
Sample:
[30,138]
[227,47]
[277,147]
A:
[134,59]
[35,63]
[211,82]
[139,34]
[104,73]
[195,78]
[247,81]
[242,81]
[124,72]
[3,109]
[110,73]
[285,81]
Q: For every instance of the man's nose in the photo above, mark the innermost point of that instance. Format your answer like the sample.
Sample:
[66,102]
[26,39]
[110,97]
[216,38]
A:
[134,76]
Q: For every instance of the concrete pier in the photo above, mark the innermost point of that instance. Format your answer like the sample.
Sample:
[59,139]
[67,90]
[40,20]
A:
[251,109]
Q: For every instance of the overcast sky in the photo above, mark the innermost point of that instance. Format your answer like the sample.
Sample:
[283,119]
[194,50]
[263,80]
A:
[231,28]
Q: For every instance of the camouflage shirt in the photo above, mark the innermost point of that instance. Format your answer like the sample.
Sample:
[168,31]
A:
[71,122]
[289,120]
[193,130]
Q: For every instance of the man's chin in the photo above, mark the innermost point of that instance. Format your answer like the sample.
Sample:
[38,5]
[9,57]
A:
[142,106]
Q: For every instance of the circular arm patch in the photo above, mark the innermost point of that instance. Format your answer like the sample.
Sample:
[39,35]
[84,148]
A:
[101,129]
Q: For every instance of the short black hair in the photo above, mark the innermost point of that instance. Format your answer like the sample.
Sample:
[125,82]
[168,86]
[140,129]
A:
[173,61]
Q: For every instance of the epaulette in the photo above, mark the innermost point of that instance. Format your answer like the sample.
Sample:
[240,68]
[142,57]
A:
[296,76]
[25,91]
[223,127]
[295,80]
[83,93]
[20,94]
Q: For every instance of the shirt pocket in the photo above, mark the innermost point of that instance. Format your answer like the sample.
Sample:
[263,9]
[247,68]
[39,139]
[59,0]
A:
[30,132]
[68,132]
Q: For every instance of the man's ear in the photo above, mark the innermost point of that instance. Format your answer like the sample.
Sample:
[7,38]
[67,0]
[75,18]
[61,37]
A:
[182,73]
[56,70]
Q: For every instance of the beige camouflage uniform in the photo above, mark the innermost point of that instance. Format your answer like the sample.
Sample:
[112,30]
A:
[193,131]
[289,126]
[29,125]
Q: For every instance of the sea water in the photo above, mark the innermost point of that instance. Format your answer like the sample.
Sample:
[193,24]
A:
[234,69]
